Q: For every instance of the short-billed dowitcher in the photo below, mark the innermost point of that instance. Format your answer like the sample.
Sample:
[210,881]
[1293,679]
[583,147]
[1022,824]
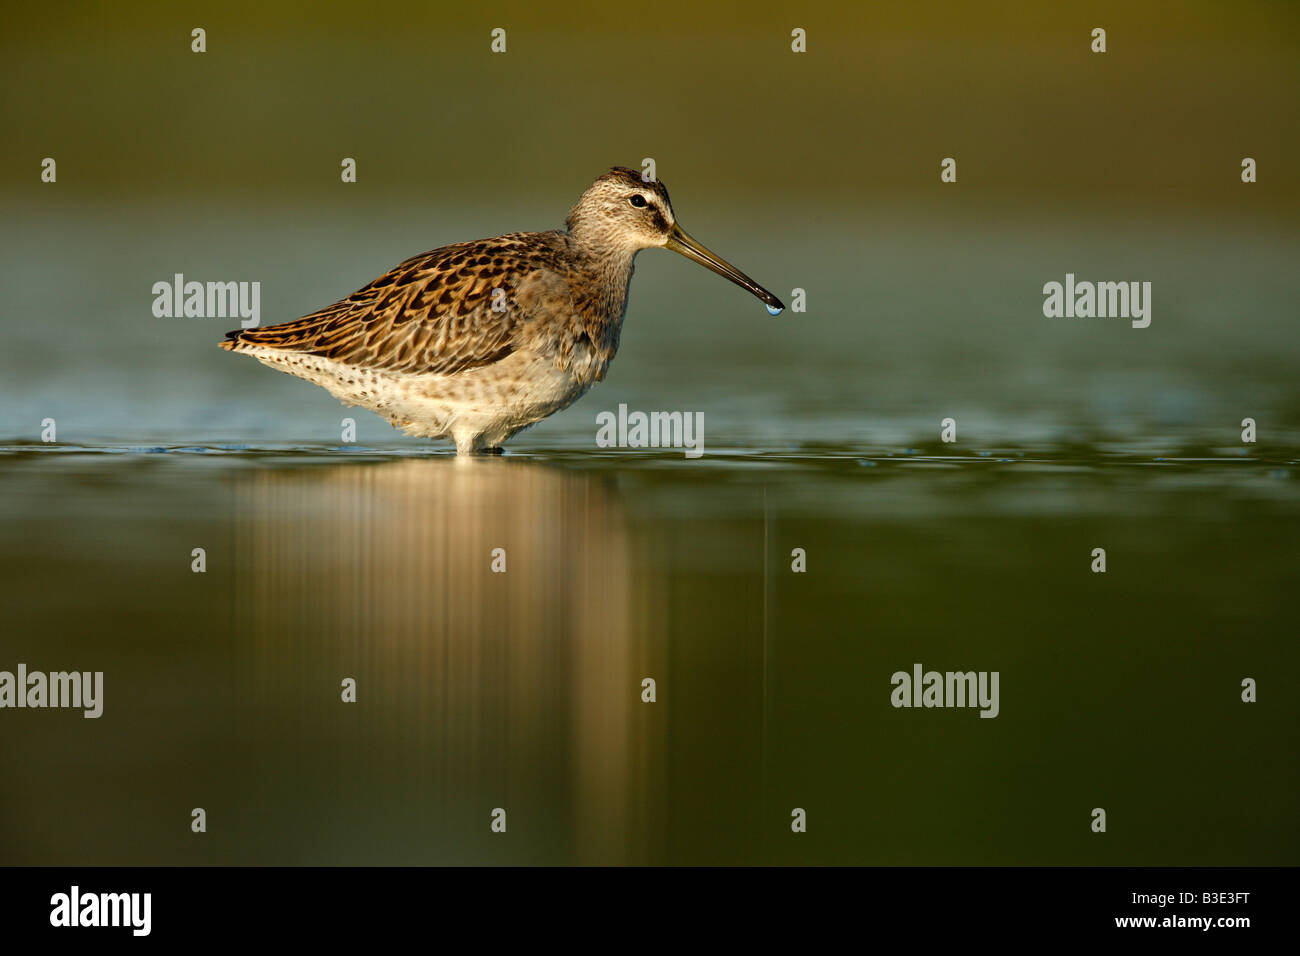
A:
[478,340]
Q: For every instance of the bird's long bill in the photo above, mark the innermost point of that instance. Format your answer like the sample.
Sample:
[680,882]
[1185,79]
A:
[679,241]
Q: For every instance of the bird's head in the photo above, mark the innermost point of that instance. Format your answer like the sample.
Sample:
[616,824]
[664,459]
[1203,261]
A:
[621,212]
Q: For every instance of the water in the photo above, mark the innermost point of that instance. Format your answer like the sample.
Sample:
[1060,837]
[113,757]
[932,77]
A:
[372,559]
[932,312]
[522,690]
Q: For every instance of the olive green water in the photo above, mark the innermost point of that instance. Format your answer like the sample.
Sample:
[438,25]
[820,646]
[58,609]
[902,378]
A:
[522,690]
[372,560]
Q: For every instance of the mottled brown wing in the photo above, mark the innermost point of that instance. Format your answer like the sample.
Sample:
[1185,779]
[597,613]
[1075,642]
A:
[432,313]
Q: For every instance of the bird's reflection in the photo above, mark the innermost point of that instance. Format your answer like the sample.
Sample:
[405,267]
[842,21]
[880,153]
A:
[517,687]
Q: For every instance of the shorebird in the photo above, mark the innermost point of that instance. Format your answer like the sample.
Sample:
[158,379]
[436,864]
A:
[479,340]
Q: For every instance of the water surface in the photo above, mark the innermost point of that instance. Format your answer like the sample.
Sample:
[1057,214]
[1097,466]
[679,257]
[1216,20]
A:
[522,690]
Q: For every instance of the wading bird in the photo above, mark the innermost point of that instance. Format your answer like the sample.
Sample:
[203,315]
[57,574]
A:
[478,340]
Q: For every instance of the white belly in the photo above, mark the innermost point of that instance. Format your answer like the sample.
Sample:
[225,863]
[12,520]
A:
[477,408]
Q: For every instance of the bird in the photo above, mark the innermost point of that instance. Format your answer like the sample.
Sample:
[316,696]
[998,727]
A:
[476,341]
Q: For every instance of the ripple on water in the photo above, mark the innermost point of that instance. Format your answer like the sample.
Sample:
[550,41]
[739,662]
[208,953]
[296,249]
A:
[919,457]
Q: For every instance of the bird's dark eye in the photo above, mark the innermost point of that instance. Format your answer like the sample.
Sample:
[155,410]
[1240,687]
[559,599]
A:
[638,200]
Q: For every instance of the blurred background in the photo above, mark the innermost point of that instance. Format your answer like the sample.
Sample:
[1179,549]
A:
[817,171]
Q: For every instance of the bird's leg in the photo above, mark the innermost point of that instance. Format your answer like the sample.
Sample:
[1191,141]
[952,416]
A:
[469,444]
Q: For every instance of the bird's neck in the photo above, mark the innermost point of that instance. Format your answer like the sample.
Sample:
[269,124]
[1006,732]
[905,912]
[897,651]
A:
[603,299]
[611,266]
